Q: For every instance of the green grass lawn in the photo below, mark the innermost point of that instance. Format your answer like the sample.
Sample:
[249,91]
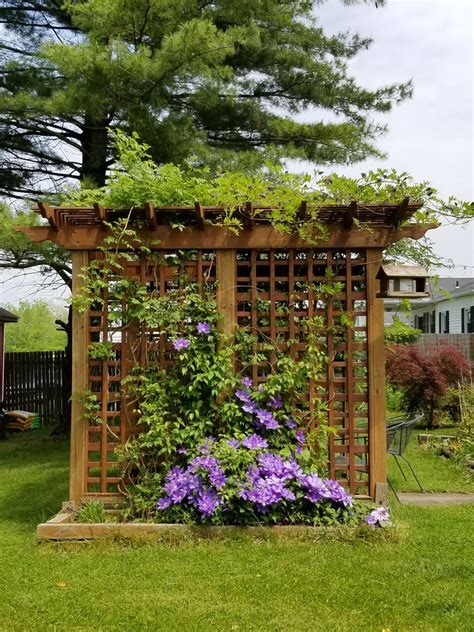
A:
[435,473]
[421,580]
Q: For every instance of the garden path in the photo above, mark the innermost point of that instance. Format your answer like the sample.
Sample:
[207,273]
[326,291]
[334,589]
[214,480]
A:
[435,499]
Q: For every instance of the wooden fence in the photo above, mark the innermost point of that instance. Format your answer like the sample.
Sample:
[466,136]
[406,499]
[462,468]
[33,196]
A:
[462,342]
[34,381]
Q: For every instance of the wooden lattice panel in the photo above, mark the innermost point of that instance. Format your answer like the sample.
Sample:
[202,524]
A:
[277,291]
[131,345]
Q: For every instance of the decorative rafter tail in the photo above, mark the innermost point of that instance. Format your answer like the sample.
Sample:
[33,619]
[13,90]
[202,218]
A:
[199,215]
[150,214]
[302,211]
[247,216]
[348,220]
[100,212]
[400,213]
[49,213]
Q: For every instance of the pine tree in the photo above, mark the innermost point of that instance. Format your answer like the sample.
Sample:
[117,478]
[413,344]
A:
[217,83]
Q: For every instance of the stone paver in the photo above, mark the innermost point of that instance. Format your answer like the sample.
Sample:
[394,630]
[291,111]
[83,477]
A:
[435,499]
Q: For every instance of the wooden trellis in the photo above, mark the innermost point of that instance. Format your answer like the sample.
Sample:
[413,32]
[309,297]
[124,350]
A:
[267,283]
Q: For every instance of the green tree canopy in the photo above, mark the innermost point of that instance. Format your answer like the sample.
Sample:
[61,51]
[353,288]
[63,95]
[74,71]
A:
[221,83]
[35,330]
[18,253]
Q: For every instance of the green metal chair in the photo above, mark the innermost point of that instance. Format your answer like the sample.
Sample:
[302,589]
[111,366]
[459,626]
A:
[398,435]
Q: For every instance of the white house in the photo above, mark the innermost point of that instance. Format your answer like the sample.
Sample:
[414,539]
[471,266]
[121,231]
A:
[449,309]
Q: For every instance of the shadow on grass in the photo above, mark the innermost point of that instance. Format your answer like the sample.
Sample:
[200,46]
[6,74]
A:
[33,478]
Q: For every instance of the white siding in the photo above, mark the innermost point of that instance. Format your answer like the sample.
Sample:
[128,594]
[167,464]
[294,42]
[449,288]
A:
[453,305]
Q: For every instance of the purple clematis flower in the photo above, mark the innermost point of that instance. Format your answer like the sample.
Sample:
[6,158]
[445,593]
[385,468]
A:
[250,407]
[377,516]
[181,343]
[233,443]
[203,328]
[266,419]
[212,466]
[163,503]
[273,465]
[290,423]
[338,494]
[207,502]
[254,442]
[244,396]
[314,486]
[275,402]
[246,381]
[179,484]
[264,490]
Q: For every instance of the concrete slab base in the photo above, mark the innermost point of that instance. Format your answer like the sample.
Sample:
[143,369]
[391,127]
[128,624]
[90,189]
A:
[435,499]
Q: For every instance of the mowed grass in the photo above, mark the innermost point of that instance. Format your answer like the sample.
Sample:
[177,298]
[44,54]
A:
[422,579]
[435,473]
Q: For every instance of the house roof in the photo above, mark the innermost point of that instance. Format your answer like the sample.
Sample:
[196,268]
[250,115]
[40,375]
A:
[7,317]
[453,285]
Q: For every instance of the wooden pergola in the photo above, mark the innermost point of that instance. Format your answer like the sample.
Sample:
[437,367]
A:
[261,274]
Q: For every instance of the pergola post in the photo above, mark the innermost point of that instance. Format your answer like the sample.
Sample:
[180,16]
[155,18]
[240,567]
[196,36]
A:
[226,275]
[79,424]
[376,380]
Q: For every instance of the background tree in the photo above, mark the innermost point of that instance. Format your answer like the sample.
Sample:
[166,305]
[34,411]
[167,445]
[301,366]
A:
[53,264]
[36,328]
[425,377]
[214,82]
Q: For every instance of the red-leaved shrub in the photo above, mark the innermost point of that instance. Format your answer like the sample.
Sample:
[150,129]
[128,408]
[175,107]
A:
[424,377]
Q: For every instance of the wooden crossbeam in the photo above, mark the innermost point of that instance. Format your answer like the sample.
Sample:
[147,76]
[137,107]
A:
[150,214]
[399,214]
[348,220]
[49,213]
[100,212]
[217,237]
[199,215]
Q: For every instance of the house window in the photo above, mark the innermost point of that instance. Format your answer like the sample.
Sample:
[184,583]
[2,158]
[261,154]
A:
[444,322]
[467,320]
[425,322]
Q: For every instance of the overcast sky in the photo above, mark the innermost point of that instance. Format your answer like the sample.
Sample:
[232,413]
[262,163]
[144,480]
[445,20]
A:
[431,136]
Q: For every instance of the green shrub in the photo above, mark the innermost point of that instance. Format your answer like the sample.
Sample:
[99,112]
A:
[401,333]
[424,377]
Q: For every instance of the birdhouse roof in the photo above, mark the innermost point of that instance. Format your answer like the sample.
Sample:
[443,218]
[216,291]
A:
[405,272]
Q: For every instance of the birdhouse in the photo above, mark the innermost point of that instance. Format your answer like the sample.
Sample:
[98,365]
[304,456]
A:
[402,282]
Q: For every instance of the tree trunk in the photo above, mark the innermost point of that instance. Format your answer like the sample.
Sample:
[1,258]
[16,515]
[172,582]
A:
[94,144]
